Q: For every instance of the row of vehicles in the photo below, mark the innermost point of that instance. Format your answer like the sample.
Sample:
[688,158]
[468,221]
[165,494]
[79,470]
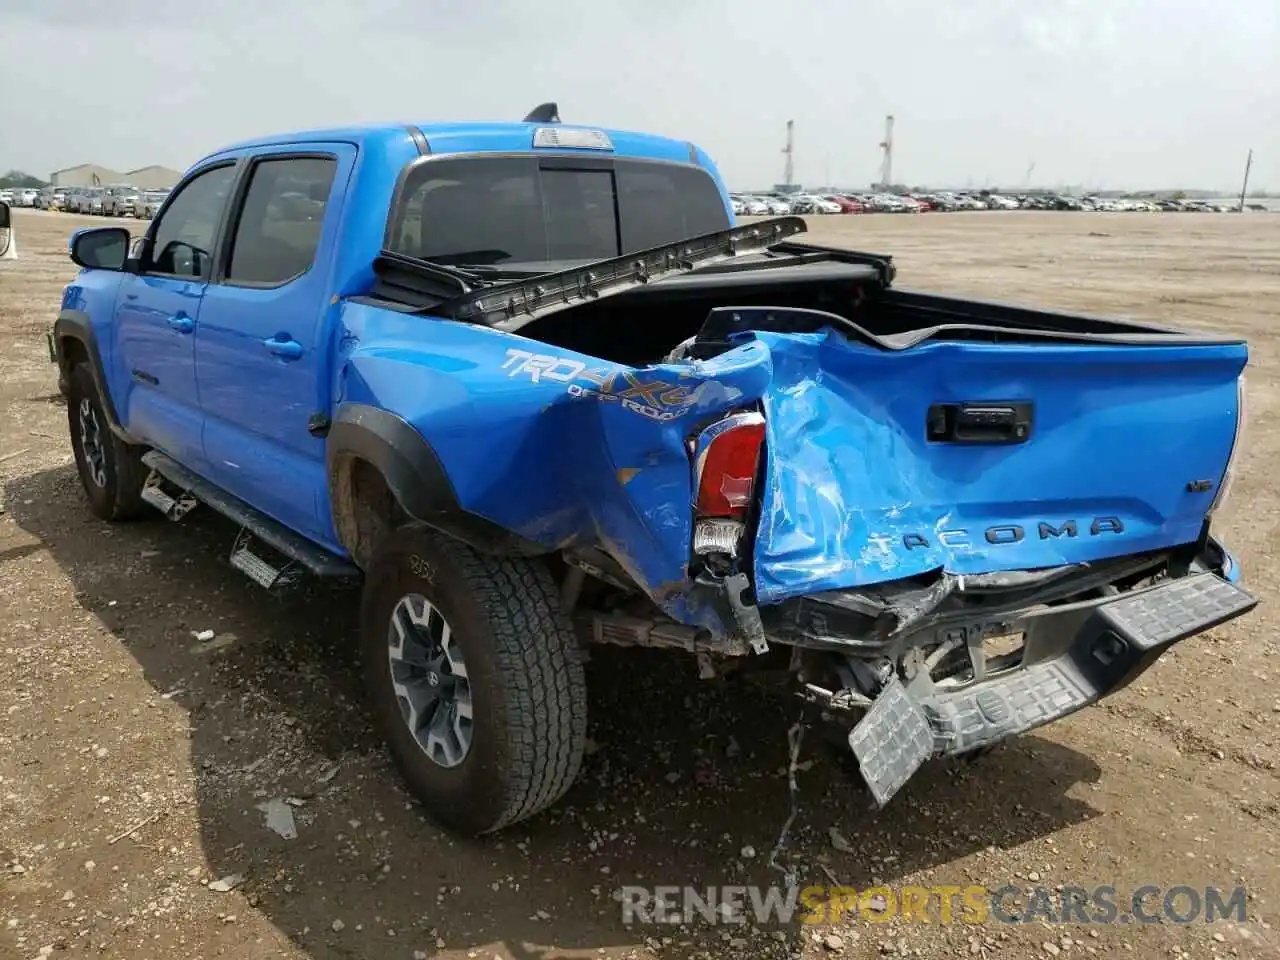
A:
[18,196]
[782,204]
[114,200]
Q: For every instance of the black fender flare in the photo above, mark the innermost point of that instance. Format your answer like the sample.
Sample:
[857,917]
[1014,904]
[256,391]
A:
[74,325]
[413,474]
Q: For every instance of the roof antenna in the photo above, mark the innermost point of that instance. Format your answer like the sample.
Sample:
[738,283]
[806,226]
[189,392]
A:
[544,113]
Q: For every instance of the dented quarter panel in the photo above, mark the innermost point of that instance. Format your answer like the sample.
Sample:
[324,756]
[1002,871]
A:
[855,494]
[559,447]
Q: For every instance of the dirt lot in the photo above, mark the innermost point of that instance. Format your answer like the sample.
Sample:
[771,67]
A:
[133,757]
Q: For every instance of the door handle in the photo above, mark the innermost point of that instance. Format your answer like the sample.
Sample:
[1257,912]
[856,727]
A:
[985,423]
[182,324]
[284,349]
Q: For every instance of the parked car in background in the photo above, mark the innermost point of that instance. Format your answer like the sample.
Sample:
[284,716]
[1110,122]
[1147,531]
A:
[82,200]
[812,203]
[947,202]
[891,203]
[844,203]
[76,198]
[120,200]
[6,196]
[776,205]
[150,201]
[50,198]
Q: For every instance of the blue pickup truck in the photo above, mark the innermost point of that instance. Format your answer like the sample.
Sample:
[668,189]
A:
[534,384]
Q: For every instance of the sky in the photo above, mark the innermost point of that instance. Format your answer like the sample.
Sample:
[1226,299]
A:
[1103,94]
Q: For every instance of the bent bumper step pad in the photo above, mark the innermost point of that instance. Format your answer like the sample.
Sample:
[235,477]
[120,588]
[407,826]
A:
[1118,640]
[891,741]
[1177,610]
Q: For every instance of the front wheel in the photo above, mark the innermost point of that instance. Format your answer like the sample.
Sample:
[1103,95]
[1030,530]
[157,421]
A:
[475,678]
[111,472]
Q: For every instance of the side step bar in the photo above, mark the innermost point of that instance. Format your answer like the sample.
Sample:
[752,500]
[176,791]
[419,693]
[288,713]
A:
[253,523]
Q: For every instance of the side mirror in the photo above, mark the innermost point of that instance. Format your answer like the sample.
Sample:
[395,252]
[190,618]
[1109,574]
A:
[100,248]
[5,223]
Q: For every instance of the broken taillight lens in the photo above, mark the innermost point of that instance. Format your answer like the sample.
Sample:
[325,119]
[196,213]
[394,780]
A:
[725,459]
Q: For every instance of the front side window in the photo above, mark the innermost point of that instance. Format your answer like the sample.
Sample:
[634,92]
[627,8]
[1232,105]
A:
[507,210]
[278,231]
[182,242]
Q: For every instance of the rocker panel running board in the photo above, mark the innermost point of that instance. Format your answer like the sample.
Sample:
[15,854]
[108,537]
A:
[317,560]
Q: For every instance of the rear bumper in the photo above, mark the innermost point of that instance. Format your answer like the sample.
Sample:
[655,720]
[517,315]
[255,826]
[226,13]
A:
[1072,656]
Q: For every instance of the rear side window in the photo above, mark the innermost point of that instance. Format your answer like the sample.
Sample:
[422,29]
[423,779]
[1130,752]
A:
[496,210]
[278,231]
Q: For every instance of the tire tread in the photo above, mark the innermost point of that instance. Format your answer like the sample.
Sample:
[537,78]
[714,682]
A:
[536,656]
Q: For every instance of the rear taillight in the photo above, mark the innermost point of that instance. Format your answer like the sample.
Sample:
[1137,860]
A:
[726,455]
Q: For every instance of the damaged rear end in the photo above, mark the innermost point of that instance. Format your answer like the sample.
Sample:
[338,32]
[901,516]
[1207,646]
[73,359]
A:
[961,541]
[949,522]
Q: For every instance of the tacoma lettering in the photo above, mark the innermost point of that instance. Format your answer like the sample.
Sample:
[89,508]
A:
[1002,534]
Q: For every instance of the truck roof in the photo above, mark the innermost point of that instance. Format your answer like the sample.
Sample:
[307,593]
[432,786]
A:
[482,137]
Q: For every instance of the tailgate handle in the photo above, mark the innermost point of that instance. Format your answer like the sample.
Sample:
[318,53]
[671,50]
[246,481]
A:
[992,423]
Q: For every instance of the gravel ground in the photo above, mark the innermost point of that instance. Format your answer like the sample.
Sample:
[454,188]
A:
[135,757]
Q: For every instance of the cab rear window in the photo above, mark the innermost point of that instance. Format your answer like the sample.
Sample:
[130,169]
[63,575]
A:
[492,210]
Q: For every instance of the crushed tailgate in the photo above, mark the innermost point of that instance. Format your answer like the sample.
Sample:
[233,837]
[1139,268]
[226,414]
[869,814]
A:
[979,457]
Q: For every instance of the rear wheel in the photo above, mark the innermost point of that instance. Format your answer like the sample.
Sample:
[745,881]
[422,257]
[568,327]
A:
[475,678]
[111,471]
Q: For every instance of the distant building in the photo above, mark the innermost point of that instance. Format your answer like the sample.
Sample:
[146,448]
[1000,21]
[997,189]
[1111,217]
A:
[92,175]
[153,178]
[85,175]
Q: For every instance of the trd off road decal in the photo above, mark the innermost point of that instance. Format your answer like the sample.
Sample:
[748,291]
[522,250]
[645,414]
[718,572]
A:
[655,399]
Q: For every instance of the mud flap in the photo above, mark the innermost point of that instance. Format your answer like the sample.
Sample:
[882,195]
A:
[891,741]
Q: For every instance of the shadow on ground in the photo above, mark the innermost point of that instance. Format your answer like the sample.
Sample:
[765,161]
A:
[665,799]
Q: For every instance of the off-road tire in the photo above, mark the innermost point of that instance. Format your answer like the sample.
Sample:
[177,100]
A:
[528,691]
[120,496]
